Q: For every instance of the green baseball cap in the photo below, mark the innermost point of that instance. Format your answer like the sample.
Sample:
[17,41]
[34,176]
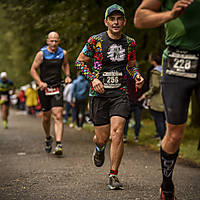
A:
[113,8]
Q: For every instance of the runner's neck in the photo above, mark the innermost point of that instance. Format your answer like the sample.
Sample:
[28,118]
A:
[51,50]
[114,37]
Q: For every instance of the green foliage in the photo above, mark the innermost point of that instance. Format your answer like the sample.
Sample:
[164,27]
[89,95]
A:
[11,52]
[25,25]
[30,21]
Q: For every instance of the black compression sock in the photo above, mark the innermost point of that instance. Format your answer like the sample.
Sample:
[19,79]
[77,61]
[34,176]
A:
[58,143]
[48,138]
[167,162]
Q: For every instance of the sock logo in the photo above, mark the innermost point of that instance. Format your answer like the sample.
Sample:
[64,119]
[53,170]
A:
[168,167]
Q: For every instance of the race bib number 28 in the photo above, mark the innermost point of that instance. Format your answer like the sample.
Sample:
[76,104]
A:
[182,63]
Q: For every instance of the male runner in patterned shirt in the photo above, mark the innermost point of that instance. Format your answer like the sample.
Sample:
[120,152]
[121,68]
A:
[113,55]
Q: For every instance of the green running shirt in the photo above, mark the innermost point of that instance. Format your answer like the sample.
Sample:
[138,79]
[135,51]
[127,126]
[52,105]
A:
[183,32]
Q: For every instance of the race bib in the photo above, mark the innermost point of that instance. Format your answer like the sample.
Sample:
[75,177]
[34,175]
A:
[51,91]
[4,97]
[112,80]
[182,63]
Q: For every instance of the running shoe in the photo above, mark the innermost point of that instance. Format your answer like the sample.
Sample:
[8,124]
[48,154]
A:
[48,144]
[78,128]
[124,140]
[58,150]
[114,183]
[165,195]
[64,121]
[136,139]
[156,136]
[99,157]
[71,125]
[5,124]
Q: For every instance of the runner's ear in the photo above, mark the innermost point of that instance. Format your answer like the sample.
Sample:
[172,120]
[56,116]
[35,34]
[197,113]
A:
[124,21]
[105,22]
[47,41]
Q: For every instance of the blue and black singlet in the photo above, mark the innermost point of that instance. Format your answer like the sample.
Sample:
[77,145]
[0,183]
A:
[51,67]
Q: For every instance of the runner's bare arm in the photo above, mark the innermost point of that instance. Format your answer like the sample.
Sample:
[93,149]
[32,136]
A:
[83,58]
[81,65]
[36,64]
[148,14]
[66,68]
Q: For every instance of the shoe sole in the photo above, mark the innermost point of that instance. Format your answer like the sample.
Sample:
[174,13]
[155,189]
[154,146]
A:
[48,150]
[93,158]
[94,161]
[110,187]
[161,195]
[58,153]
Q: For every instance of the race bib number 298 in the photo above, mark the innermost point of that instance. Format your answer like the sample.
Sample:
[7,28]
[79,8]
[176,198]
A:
[182,63]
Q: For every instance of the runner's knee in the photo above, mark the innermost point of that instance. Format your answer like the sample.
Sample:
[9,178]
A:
[117,135]
[175,133]
[46,117]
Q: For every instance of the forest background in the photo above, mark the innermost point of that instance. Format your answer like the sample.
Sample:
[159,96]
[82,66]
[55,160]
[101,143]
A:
[25,25]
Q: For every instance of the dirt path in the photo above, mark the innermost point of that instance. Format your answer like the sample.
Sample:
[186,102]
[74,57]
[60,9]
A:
[29,173]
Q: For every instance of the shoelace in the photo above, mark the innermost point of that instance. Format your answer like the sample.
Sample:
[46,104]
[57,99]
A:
[115,178]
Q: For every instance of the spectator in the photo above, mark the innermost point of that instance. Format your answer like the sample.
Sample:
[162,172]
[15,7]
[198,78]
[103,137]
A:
[154,97]
[67,97]
[13,99]
[135,108]
[38,108]
[22,99]
[31,100]
[80,89]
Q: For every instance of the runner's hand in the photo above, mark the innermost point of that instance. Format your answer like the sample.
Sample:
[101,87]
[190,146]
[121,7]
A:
[139,81]
[72,104]
[98,86]
[68,79]
[42,86]
[142,97]
[179,8]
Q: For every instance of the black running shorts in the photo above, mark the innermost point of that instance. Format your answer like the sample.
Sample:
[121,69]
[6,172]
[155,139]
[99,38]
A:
[176,92]
[103,108]
[47,102]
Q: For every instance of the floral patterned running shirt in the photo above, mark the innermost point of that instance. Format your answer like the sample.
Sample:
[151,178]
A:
[110,63]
